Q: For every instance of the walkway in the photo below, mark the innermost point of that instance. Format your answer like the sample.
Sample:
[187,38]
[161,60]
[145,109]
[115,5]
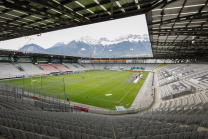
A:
[157,99]
[144,96]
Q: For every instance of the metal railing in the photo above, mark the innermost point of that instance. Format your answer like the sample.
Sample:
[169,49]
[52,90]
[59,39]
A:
[48,103]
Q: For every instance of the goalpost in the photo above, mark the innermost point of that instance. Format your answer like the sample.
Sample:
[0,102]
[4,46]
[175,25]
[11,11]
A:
[32,81]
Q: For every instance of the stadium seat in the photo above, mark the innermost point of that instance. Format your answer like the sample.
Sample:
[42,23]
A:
[122,134]
[26,126]
[138,133]
[29,135]
[77,129]
[60,126]
[92,137]
[176,136]
[161,137]
[15,133]
[71,128]
[63,133]
[3,131]
[95,132]
[150,132]
[43,130]
[128,138]
[5,123]
[143,128]
[203,134]
[37,128]
[15,124]
[56,132]
[77,135]
[22,135]
[90,131]
[49,130]
[69,134]
[156,132]
[145,137]
[99,137]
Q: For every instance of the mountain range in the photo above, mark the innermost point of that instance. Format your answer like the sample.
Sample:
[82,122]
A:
[124,46]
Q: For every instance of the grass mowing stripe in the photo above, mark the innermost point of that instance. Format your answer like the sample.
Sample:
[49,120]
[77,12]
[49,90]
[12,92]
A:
[88,90]
[93,88]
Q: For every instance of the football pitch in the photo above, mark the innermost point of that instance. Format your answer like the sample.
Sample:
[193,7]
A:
[105,89]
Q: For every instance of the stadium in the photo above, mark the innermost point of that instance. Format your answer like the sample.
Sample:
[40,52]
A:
[46,95]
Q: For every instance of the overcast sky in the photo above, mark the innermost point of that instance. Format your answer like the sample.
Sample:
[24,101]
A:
[111,29]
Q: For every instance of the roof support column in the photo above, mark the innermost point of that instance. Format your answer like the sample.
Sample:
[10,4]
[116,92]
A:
[112,9]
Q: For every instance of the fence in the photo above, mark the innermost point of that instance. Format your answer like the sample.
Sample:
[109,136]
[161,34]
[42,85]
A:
[37,100]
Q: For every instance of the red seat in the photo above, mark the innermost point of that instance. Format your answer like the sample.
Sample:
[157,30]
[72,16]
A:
[48,68]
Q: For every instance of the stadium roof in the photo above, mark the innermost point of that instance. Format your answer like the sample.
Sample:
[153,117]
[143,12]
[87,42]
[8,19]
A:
[177,28]
[27,17]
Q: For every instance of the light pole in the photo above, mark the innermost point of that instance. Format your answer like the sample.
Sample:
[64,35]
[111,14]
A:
[27,41]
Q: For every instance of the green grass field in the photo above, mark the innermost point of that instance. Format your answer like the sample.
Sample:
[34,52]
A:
[90,90]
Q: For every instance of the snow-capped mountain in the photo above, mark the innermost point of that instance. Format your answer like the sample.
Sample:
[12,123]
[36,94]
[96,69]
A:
[120,47]
[105,41]
[59,44]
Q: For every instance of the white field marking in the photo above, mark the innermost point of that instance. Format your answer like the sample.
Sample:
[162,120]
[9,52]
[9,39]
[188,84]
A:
[109,85]
[127,93]
[108,94]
